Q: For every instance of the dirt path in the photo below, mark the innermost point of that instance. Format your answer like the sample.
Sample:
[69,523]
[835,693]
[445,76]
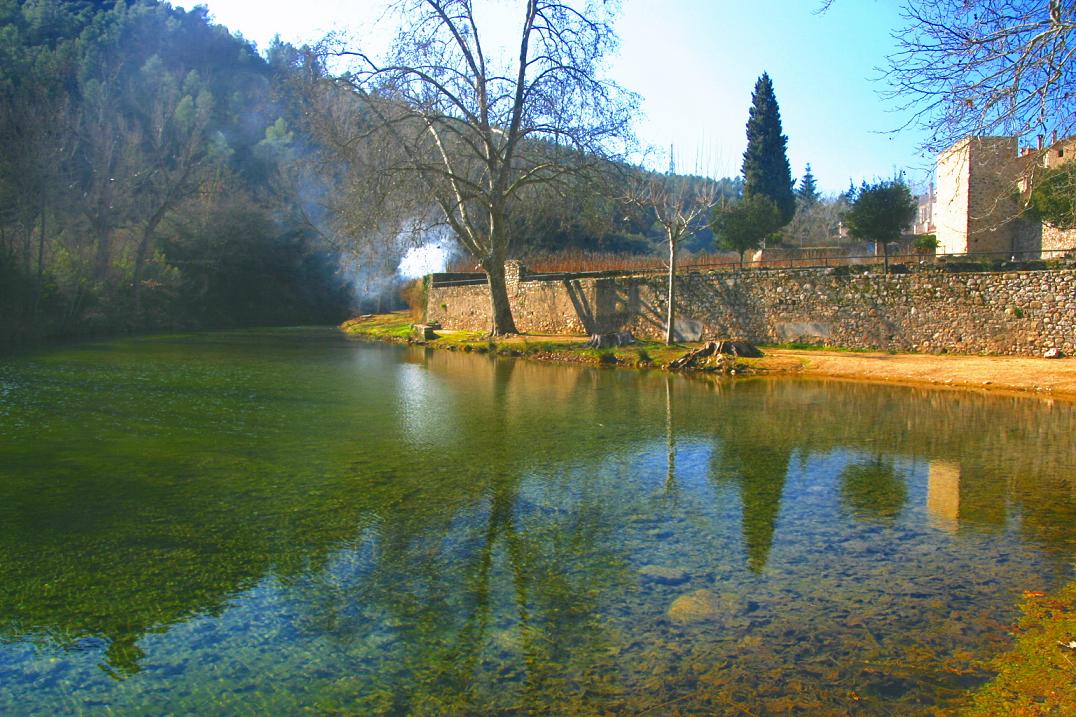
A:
[1051,377]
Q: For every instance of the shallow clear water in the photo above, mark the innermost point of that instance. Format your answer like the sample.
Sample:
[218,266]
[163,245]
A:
[282,522]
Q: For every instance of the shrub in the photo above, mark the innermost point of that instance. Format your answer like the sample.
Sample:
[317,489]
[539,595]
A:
[414,295]
[925,243]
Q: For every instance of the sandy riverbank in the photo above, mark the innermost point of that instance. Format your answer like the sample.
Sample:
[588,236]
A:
[1055,378]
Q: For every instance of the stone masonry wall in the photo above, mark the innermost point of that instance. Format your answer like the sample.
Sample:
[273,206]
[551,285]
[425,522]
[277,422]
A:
[994,166]
[1056,240]
[1016,313]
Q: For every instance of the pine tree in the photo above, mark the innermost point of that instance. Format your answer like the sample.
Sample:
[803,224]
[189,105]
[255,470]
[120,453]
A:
[849,195]
[807,191]
[766,171]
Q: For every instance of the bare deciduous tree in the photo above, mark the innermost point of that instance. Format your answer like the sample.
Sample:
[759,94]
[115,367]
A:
[816,225]
[987,67]
[472,130]
[682,206]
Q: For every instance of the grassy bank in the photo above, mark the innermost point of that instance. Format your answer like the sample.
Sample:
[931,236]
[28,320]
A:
[574,349]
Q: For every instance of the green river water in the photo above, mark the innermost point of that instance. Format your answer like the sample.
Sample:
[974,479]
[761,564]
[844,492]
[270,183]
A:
[291,522]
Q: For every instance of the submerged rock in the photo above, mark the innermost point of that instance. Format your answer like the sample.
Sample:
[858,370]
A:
[695,607]
[663,575]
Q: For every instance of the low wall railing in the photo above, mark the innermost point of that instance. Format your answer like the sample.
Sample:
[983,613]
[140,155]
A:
[898,264]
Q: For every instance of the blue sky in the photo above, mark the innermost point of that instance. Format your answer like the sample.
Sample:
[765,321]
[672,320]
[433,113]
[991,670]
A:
[695,62]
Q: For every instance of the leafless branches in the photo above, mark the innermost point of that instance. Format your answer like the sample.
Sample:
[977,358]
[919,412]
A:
[682,206]
[475,124]
[986,67]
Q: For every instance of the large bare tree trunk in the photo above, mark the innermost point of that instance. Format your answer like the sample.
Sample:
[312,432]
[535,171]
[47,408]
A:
[670,322]
[500,307]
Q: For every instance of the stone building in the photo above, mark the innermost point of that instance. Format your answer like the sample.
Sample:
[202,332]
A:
[977,204]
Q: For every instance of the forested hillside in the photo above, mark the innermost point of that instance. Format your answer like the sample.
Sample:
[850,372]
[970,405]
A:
[157,172]
[140,178]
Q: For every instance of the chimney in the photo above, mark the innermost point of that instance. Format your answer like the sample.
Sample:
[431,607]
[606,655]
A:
[1054,140]
[1041,138]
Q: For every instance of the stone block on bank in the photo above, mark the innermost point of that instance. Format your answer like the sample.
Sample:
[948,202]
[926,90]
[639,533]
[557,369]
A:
[687,330]
[425,332]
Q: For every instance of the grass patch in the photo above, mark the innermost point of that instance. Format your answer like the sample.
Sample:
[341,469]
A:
[652,353]
[396,325]
[546,347]
[457,339]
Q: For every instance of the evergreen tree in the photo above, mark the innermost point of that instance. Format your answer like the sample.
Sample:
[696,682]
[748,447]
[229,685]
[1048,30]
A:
[807,191]
[766,171]
[849,195]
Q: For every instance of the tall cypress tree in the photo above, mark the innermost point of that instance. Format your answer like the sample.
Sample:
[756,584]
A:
[808,189]
[766,170]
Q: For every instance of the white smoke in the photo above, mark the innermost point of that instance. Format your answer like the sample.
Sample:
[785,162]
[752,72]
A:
[430,254]
[419,261]
[377,267]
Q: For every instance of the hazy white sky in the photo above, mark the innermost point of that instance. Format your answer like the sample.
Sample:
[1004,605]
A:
[695,62]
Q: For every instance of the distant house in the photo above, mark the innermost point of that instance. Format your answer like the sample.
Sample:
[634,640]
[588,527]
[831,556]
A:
[981,186]
[1060,153]
[924,218]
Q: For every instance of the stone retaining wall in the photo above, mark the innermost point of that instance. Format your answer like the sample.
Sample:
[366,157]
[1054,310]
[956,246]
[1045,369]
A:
[1017,313]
